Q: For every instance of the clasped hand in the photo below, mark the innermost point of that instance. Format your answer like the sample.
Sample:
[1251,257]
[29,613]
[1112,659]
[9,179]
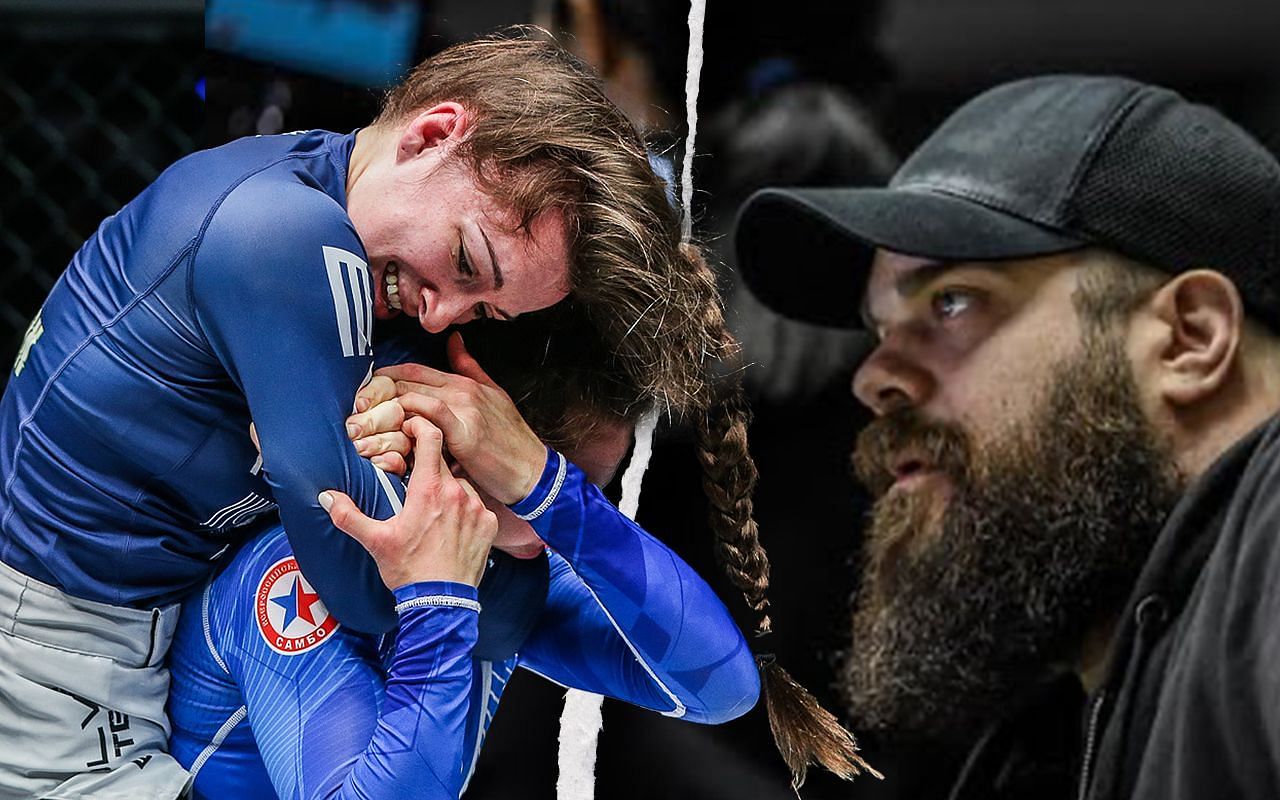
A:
[483,431]
[412,412]
[444,531]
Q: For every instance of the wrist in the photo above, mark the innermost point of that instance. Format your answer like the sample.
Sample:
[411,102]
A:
[545,489]
[437,594]
[436,572]
[526,471]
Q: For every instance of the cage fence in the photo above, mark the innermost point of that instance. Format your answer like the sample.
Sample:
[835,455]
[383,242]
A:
[96,99]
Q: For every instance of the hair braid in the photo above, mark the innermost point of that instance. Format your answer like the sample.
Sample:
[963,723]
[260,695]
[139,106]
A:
[729,480]
[804,731]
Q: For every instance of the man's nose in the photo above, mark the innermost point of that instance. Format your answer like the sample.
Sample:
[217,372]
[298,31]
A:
[888,380]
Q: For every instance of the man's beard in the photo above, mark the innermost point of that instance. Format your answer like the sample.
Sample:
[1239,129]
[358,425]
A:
[973,596]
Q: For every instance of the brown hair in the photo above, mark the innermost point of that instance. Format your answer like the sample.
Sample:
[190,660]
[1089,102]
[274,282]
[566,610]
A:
[546,136]
[644,324]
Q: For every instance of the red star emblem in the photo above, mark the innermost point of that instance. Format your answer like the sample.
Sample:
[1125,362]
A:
[305,601]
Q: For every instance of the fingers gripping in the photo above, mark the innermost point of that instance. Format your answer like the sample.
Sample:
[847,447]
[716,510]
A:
[380,443]
[436,411]
[378,390]
[444,530]
[430,471]
[348,518]
[385,417]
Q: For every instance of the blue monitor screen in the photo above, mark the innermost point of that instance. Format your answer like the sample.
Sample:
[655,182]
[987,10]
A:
[365,42]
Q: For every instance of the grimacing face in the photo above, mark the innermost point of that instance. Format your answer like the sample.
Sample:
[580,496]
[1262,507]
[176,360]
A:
[1018,490]
[440,249]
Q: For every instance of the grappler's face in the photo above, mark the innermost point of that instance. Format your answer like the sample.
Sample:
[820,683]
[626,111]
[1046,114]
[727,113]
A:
[439,248]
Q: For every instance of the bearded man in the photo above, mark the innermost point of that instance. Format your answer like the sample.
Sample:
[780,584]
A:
[1072,288]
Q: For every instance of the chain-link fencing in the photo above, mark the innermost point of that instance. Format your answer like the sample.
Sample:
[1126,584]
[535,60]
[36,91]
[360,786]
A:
[96,99]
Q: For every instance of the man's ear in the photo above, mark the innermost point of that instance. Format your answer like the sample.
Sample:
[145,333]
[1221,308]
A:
[1204,317]
[439,126]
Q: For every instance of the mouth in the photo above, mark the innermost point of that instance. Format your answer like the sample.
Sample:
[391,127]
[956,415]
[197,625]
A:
[911,469]
[391,285]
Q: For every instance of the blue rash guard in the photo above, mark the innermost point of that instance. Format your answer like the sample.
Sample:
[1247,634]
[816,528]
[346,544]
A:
[270,698]
[233,288]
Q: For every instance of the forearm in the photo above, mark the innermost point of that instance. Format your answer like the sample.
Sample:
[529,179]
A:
[337,565]
[298,365]
[418,745]
[668,643]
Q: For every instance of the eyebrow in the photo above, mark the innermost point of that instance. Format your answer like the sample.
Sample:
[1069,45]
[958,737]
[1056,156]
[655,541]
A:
[498,280]
[906,285]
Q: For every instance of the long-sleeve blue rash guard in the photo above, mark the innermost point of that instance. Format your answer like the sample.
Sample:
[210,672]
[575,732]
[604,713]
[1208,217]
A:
[271,699]
[233,288]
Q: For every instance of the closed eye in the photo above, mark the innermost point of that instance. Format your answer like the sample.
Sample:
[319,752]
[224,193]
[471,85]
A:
[464,264]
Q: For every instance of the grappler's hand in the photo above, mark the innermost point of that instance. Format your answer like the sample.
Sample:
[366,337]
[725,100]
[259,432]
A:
[482,427]
[376,427]
[443,533]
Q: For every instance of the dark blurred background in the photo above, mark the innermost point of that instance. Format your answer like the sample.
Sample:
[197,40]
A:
[95,98]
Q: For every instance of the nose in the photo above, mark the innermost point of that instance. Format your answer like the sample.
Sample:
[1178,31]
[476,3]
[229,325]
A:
[888,380]
[436,312]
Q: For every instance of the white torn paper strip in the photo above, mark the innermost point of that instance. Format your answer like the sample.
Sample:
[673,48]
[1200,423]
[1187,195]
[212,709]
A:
[581,720]
[693,73]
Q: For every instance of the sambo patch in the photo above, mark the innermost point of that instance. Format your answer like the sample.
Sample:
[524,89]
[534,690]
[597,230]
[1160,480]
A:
[291,617]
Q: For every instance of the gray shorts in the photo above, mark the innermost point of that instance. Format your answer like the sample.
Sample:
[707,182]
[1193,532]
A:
[82,695]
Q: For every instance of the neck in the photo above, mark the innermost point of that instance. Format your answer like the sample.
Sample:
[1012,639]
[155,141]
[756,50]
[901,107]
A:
[1202,432]
[362,154]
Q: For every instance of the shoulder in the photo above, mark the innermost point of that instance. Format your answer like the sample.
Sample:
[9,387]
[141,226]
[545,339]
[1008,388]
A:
[278,202]
[201,181]
[274,213]
[275,237]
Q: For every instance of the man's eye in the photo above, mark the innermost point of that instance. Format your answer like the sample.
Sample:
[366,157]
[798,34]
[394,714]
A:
[951,303]
[464,266]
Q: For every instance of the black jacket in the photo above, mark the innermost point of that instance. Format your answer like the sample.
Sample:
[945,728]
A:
[1190,706]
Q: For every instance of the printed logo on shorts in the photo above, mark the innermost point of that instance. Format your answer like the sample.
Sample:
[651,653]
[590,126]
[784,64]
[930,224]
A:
[291,617]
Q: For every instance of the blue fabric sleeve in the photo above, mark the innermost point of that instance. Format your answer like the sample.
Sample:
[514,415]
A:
[283,295]
[332,722]
[625,616]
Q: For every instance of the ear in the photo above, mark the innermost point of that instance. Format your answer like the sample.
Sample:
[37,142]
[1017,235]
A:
[1204,317]
[433,131]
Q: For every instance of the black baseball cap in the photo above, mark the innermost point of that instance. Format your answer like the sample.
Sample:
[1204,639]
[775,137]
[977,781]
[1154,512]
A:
[1032,168]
